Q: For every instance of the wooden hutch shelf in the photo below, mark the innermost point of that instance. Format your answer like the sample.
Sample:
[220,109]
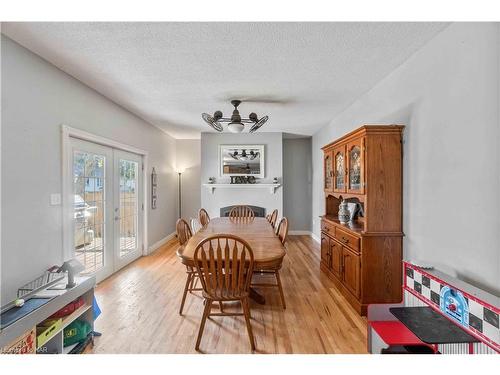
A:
[363,258]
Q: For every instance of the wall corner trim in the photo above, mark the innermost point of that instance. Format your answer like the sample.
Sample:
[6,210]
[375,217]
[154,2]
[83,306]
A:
[315,237]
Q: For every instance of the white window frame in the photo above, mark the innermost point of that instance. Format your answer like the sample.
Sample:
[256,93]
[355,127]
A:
[68,132]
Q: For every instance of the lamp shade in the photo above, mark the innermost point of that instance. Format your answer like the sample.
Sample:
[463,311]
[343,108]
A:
[235,127]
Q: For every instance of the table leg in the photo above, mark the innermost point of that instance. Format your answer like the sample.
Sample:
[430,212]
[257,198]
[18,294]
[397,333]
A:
[257,297]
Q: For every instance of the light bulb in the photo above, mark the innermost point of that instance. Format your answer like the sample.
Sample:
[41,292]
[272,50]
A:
[235,127]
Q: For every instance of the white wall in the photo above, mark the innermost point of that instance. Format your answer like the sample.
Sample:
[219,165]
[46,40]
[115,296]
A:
[297,182]
[447,94]
[36,99]
[273,150]
[189,159]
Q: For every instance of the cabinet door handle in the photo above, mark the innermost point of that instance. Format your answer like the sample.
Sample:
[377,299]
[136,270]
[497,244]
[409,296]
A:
[345,240]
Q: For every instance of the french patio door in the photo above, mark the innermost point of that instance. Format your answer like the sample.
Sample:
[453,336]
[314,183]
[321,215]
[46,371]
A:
[107,207]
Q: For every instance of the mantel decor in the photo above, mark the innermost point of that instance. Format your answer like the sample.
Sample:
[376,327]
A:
[243,180]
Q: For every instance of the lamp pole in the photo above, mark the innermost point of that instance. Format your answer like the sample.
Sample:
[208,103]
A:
[180,194]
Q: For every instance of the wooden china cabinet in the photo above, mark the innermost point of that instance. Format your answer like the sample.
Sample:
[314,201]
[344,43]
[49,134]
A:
[363,258]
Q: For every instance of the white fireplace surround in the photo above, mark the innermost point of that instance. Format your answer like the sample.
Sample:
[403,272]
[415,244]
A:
[221,197]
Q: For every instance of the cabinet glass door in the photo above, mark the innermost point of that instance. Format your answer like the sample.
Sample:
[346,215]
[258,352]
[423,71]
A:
[328,170]
[355,160]
[339,170]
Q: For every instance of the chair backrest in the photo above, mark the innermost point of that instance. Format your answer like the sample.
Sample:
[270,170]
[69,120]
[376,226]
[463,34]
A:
[241,212]
[283,230]
[183,231]
[274,217]
[268,217]
[203,217]
[195,225]
[225,264]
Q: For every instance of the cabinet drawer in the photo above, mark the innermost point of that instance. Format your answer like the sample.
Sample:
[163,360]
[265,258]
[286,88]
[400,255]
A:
[348,239]
[327,228]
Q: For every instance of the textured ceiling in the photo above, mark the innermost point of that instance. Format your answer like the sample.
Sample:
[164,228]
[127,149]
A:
[169,73]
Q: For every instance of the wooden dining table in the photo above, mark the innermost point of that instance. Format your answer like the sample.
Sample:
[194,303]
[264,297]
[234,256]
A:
[268,251]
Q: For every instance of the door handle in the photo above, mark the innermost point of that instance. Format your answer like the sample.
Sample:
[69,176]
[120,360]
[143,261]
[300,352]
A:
[117,218]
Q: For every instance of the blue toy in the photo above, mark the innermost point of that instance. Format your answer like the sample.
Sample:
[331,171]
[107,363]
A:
[454,305]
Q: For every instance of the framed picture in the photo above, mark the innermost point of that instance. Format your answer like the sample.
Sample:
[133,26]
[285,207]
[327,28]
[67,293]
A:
[154,185]
[241,160]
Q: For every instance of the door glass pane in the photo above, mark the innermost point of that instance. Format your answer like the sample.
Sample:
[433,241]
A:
[339,170]
[355,168]
[88,205]
[128,206]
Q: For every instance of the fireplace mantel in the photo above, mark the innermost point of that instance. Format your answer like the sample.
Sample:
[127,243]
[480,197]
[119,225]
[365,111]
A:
[272,187]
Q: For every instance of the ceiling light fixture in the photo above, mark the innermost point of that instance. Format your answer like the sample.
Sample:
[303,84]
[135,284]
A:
[244,156]
[236,124]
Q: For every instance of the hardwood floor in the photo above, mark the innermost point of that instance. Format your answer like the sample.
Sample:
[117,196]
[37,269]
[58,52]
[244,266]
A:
[140,307]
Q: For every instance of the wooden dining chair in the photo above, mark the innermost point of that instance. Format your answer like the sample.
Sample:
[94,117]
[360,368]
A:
[195,225]
[282,234]
[183,235]
[274,217]
[268,217]
[241,212]
[183,230]
[283,230]
[225,265]
[203,217]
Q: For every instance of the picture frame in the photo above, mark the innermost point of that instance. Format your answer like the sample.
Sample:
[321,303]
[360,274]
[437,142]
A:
[154,186]
[241,160]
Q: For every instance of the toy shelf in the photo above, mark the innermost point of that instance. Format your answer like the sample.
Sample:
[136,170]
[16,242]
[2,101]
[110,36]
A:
[20,336]
[67,349]
[67,320]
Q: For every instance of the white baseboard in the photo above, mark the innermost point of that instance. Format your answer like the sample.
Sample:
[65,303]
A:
[160,243]
[304,233]
[299,233]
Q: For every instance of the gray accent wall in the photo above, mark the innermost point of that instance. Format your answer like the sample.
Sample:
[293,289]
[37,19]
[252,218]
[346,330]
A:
[37,98]
[297,181]
[447,95]
[273,150]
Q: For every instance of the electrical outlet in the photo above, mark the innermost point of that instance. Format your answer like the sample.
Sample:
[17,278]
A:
[55,199]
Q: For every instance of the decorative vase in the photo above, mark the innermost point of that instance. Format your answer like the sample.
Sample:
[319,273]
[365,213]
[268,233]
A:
[344,214]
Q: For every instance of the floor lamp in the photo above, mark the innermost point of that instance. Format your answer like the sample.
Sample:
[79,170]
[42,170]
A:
[179,172]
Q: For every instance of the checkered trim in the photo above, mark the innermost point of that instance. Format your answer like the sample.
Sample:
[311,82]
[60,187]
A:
[483,318]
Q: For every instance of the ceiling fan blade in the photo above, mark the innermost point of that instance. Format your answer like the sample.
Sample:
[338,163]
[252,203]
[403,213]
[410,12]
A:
[258,124]
[259,98]
[210,121]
